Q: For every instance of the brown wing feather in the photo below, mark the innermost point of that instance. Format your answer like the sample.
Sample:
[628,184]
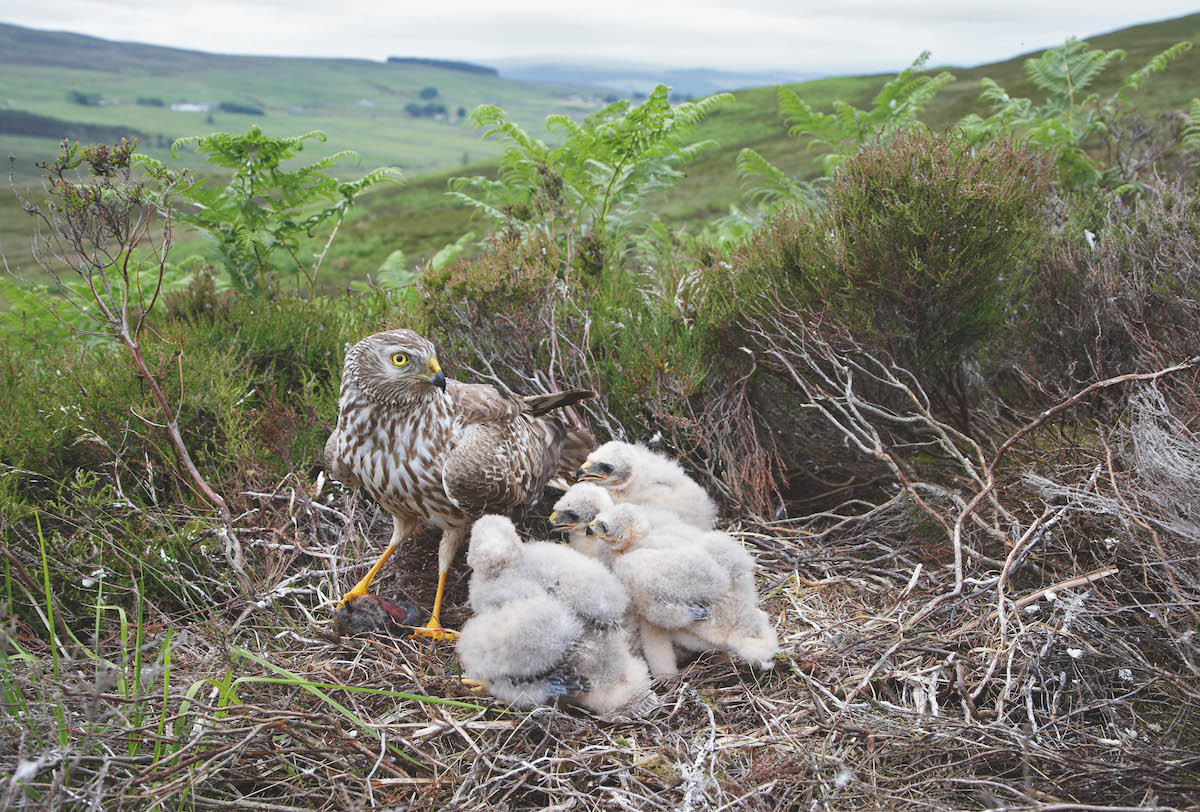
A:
[540,404]
[576,447]
[507,452]
[482,402]
[499,466]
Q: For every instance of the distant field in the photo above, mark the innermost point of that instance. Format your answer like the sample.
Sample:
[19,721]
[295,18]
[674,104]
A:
[359,104]
[416,217]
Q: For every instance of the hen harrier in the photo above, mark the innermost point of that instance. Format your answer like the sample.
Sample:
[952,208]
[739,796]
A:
[434,450]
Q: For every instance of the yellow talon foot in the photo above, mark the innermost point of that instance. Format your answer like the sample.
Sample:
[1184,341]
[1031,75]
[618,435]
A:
[353,595]
[435,633]
[475,685]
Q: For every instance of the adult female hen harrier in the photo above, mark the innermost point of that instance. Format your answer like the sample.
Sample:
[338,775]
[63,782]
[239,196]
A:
[439,451]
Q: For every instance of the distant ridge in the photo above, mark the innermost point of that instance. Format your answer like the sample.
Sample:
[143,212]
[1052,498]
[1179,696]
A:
[19,122]
[630,77]
[444,64]
[20,45]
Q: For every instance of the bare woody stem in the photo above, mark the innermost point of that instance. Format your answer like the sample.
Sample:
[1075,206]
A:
[172,426]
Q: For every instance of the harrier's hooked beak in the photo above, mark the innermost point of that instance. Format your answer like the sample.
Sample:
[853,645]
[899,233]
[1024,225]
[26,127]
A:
[591,531]
[436,376]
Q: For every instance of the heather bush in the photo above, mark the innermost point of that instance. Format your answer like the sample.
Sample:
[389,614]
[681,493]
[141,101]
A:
[1124,298]
[937,243]
[512,276]
[924,249]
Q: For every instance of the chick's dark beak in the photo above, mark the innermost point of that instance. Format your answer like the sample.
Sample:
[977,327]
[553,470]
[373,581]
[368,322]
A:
[590,531]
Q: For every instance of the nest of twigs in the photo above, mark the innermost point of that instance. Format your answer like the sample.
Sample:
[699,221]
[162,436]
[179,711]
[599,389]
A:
[1007,637]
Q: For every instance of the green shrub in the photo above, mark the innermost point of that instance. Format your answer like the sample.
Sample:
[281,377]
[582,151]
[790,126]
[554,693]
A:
[937,241]
[794,249]
[923,251]
[925,244]
[512,280]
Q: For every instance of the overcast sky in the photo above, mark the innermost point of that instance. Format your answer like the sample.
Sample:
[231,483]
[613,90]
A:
[780,35]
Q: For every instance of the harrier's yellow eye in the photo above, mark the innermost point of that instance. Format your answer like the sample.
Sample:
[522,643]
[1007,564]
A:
[399,359]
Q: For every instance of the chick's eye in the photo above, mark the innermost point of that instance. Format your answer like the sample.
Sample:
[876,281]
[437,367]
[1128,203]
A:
[399,359]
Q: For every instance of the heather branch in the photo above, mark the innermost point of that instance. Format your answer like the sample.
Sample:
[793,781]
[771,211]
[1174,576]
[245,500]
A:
[103,230]
[990,484]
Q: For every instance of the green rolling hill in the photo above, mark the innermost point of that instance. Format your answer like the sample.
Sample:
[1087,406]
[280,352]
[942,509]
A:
[361,106]
[418,219]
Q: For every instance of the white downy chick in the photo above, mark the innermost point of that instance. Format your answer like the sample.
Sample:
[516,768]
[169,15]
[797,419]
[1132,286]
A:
[682,592]
[635,474]
[549,625]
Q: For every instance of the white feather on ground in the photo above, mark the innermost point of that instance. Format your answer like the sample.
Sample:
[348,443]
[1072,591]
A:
[549,625]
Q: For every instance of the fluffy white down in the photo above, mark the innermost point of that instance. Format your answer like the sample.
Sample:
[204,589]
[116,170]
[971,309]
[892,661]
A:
[509,647]
[549,625]
[656,480]
[586,586]
[671,575]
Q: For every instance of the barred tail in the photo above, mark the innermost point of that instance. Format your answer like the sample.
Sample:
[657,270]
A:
[540,404]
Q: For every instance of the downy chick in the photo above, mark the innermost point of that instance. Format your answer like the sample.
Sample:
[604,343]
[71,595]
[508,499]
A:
[681,592]
[549,625]
[635,474]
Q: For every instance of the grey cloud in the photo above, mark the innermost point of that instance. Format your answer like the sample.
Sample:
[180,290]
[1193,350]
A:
[850,36]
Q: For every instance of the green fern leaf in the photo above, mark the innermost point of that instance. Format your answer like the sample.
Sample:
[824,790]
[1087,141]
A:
[765,185]
[1191,131]
[1159,63]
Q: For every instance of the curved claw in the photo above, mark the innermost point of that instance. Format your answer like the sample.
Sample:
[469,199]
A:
[435,632]
[359,591]
[474,685]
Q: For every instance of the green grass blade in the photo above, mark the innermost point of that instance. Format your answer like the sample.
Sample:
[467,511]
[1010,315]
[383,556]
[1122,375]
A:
[59,714]
[162,719]
[311,687]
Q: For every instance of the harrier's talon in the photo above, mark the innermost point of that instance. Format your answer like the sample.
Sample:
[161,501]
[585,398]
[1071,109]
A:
[359,591]
[434,633]
[474,685]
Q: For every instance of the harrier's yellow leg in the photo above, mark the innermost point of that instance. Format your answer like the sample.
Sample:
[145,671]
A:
[451,539]
[400,530]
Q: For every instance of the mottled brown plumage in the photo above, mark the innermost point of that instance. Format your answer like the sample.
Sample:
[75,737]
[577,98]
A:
[440,451]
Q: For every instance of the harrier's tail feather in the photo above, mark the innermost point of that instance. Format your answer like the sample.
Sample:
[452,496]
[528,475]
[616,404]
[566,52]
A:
[576,447]
[540,404]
